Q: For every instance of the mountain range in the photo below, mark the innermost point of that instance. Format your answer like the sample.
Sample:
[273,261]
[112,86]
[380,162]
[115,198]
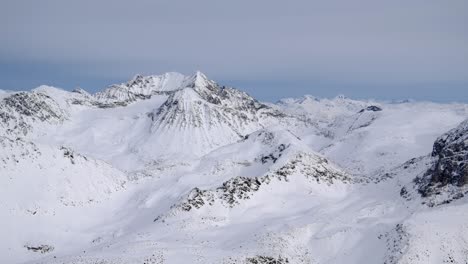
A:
[180,169]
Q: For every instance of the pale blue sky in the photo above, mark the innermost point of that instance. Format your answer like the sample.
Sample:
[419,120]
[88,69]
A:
[272,49]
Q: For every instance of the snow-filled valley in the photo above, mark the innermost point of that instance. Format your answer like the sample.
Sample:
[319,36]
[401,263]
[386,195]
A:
[180,169]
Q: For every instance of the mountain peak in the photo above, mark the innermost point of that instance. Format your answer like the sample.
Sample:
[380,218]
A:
[80,91]
[200,75]
[198,79]
[137,78]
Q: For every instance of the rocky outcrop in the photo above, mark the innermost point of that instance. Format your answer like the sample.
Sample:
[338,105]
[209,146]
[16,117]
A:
[41,249]
[448,176]
[19,111]
[312,167]
[34,105]
[372,108]
[196,199]
[267,260]
[275,155]
[232,192]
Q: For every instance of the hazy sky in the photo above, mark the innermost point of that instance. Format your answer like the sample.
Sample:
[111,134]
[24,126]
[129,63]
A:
[272,49]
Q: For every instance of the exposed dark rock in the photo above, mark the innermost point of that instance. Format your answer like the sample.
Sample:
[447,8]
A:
[233,191]
[20,110]
[41,249]
[274,156]
[404,193]
[312,167]
[67,153]
[196,199]
[34,105]
[71,155]
[239,188]
[267,260]
[449,172]
[372,108]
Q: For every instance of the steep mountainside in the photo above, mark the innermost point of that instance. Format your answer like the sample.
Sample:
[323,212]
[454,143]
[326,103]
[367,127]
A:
[448,176]
[20,112]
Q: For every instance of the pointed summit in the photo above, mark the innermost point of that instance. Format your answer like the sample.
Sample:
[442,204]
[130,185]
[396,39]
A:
[198,79]
[80,90]
[207,89]
[200,76]
[137,79]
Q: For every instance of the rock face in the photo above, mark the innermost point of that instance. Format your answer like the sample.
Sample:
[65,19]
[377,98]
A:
[19,111]
[450,170]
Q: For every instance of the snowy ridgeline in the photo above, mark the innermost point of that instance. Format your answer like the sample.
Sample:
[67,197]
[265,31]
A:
[179,169]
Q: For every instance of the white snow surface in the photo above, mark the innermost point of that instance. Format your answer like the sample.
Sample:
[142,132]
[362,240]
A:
[178,169]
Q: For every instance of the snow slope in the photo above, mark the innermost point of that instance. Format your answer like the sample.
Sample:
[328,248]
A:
[368,142]
[47,194]
[180,169]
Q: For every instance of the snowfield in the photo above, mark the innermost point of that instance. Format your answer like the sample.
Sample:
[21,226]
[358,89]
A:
[179,169]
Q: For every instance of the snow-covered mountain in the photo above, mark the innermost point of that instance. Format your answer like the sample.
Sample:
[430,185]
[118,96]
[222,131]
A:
[180,169]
